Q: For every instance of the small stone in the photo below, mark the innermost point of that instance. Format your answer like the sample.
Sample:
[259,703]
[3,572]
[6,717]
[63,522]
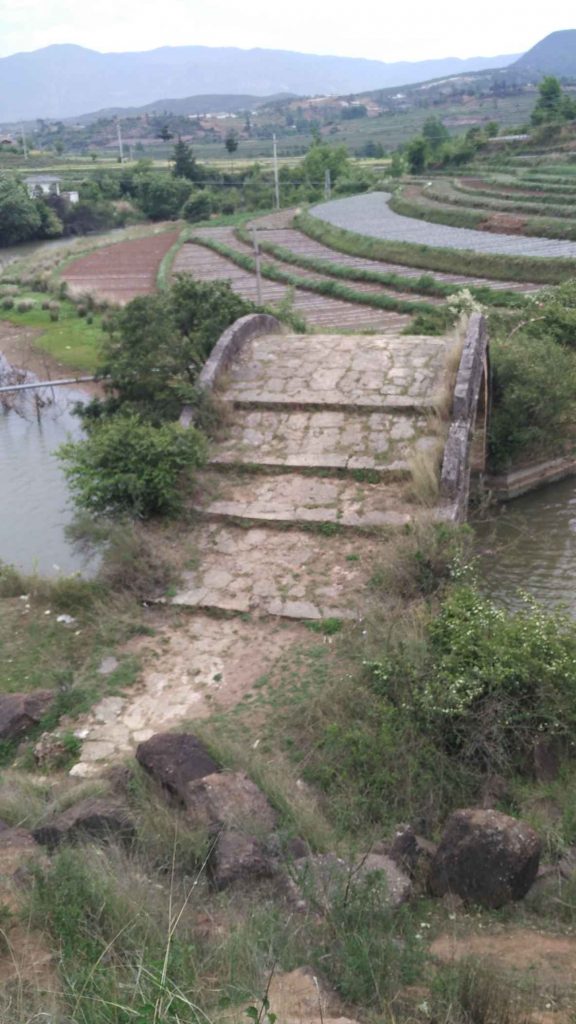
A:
[108,665]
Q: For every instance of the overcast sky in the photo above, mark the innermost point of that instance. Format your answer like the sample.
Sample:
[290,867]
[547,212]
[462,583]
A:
[367,28]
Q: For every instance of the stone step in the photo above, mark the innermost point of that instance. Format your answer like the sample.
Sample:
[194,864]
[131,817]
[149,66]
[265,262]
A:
[323,441]
[296,574]
[296,500]
[334,370]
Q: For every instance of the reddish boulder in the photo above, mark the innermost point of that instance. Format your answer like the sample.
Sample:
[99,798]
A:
[174,759]
[239,857]
[485,857]
[94,818]
[21,711]
[229,800]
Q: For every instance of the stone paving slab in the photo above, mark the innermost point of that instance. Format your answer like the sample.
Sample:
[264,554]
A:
[294,499]
[370,215]
[335,370]
[324,440]
[293,574]
[202,665]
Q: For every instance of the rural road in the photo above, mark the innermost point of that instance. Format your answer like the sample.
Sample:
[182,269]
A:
[370,215]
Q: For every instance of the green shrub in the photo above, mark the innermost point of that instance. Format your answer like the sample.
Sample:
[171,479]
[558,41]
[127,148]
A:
[128,465]
[534,397]
[8,302]
[197,207]
[24,306]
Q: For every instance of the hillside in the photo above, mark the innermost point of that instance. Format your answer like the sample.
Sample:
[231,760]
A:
[553,55]
[66,81]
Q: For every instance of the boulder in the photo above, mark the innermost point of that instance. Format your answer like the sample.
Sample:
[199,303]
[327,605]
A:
[323,877]
[21,711]
[174,759]
[228,800]
[412,853]
[485,857]
[239,857]
[98,818]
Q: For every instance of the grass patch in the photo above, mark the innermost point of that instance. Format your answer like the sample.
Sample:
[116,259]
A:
[72,340]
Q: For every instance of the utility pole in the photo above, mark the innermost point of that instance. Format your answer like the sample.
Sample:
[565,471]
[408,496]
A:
[258,272]
[120,145]
[276,179]
[327,184]
[24,146]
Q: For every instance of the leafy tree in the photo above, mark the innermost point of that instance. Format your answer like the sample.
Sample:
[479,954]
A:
[184,165]
[165,134]
[126,465]
[417,155]
[549,103]
[20,217]
[197,207]
[321,158]
[435,133]
[158,344]
[161,197]
[231,141]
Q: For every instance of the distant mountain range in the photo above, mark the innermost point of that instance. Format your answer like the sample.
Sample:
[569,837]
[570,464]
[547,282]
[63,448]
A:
[67,81]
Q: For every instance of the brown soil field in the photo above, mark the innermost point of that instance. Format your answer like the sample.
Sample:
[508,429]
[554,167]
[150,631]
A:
[120,272]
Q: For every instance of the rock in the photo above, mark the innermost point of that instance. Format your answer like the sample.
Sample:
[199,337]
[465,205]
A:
[51,751]
[322,877]
[21,711]
[174,759]
[300,997]
[239,857]
[485,857]
[108,665]
[94,818]
[228,800]
[412,853]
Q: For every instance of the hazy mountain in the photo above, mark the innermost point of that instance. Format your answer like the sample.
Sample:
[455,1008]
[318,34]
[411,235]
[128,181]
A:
[65,80]
[553,55]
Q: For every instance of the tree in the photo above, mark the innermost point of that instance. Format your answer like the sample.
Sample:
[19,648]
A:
[435,133]
[231,141]
[548,106]
[184,165]
[417,155]
[20,218]
[165,134]
[158,344]
[127,465]
[161,197]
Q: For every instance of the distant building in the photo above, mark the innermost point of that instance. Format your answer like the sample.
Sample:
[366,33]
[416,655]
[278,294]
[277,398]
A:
[49,185]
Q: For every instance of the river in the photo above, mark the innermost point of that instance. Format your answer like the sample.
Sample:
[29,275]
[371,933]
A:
[35,508]
[529,544]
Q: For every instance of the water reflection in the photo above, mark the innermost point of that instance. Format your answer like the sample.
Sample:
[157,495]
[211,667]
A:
[34,503]
[530,544]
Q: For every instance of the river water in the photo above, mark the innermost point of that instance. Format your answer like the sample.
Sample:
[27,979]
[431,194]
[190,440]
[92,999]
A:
[34,505]
[529,545]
